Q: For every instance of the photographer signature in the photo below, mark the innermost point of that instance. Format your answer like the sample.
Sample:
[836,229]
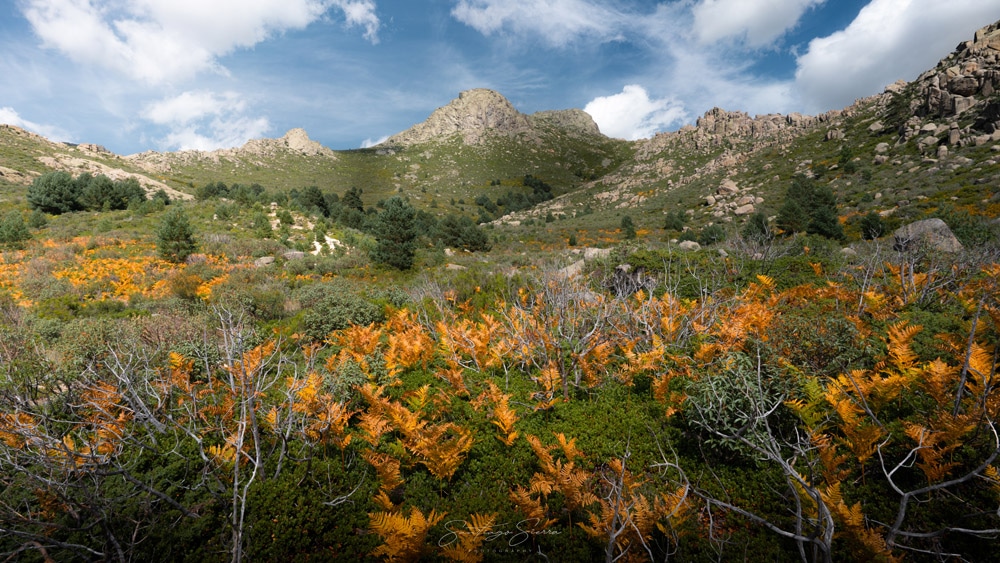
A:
[515,534]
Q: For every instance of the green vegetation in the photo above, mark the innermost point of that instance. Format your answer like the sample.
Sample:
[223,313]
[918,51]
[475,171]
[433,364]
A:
[323,381]
[175,236]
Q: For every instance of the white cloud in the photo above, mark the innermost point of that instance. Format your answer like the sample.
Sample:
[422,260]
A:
[556,21]
[369,143]
[158,41]
[889,40]
[10,117]
[761,21]
[205,121]
[632,115]
[191,106]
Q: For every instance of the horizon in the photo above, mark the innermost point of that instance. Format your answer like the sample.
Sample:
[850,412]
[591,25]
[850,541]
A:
[169,76]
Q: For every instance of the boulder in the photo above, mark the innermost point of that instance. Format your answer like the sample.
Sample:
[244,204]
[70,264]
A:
[294,255]
[264,261]
[596,253]
[571,271]
[689,245]
[932,234]
[728,187]
[744,209]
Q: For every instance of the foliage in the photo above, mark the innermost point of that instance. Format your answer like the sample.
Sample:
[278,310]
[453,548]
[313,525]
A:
[458,231]
[628,228]
[54,193]
[395,234]
[175,237]
[13,230]
[810,207]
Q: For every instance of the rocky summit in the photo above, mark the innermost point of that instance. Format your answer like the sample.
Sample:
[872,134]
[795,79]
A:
[480,113]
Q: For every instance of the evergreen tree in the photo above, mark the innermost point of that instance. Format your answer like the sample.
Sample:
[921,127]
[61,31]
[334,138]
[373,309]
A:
[37,219]
[352,199]
[811,208]
[628,228]
[757,229]
[55,193]
[13,231]
[395,234]
[872,226]
[175,237]
[458,231]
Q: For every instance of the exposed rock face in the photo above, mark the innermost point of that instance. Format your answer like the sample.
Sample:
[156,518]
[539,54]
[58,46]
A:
[253,152]
[570,120]
[471,115]
[932,234]
[963,79]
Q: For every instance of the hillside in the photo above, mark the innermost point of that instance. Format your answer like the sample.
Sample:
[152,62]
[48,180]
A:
[500,336]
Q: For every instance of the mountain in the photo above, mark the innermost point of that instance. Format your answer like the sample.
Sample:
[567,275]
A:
[478,114]
[903,153]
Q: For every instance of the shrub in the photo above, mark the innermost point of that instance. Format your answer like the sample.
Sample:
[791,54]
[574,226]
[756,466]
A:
[330,307]
[628,228]
[395,234]
[711,235]
[54,193]
[175,237]
[13,230]
[872,226]
[458,231]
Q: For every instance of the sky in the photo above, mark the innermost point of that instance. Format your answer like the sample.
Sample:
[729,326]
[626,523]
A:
[137,75]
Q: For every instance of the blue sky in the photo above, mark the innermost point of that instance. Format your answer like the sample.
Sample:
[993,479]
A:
[136,75]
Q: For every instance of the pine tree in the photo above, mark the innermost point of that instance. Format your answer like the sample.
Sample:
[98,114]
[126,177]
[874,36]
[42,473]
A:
[13,231]
[396,234]
[175,237]
[628,228]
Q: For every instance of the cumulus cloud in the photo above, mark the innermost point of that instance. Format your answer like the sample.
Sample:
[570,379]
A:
[889,40]
[760,21]
[632,115]
[10,117]
[205,121]
[157,41]
[556,21]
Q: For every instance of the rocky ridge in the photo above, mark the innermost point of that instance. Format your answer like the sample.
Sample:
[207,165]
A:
[252,153]
[481,113]
[77,159]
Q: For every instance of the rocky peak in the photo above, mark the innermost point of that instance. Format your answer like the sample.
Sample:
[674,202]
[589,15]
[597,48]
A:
[295,140]
[570,120]
[470,115]
[963,80]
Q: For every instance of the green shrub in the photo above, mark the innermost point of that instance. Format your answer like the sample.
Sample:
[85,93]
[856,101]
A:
[175,237]
[333,306]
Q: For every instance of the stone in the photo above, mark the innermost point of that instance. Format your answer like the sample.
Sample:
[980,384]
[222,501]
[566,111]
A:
[876,127]
[710,200]
[932,234]
[573,270]
[961,104]
[264,261]
[723,253]
[294,255]
[744,209]
[596,253]
[881,148]
[954,136]
[942,151]
[745,200]
[728,187]
[689,245]
[834,135]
